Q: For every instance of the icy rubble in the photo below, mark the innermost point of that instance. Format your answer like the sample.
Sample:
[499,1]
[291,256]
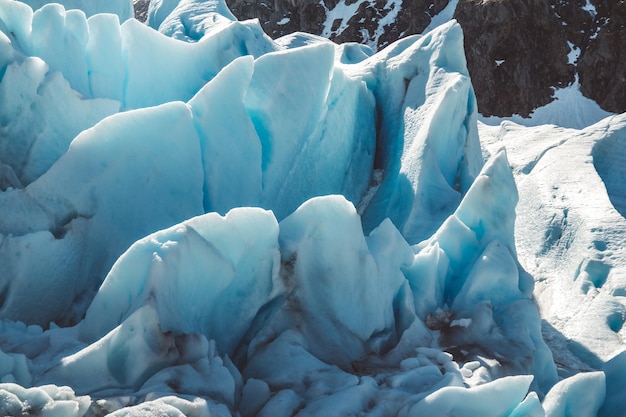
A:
[192,227]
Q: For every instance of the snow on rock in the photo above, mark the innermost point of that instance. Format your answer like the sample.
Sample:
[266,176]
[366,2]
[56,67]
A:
[568,109]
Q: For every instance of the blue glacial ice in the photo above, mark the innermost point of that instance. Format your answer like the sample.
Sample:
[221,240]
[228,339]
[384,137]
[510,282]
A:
[122,8]
[198,220]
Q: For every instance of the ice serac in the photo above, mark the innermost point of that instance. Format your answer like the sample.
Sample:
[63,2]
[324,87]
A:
[244,311]
[138,58]
[428,142]
[615,380]
[122,8]
[36,129]
[231,152]
[139,171]
[192,19]
[62,38]
[470,265]
[344,299]
[208,275]
[317,137]
[179,68]
[127,356]
[40,111]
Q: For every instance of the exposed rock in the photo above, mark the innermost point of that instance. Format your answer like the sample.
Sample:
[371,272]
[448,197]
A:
[602,64]
[282,17]
[516,53]
[414,17]
[141,9]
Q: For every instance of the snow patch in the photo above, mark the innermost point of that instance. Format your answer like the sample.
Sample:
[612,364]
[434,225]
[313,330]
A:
[574,53]
[569,109]
[590,8]
[341,11]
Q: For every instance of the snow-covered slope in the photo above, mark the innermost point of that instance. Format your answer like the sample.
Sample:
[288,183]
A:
[204,221]
[570,228]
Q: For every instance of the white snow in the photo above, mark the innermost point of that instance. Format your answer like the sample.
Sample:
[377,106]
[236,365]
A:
[341,11]
[394,7]
[464,322]
[179,232]
[590,8]
[574,53]
[569,228]
[569,109]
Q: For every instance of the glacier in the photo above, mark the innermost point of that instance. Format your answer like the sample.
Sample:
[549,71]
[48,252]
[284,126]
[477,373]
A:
[198,220]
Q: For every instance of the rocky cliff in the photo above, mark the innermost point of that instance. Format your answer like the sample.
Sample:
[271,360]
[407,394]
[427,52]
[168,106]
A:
[518,51]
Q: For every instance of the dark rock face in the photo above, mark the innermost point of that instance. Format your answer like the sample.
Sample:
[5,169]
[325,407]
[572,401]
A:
[413,18]
[537,37]
[366,25]
[602,64]
[282,17]
[518,51]
[141,9]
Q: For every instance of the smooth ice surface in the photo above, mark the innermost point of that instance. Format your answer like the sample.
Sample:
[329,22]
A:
[202,221]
